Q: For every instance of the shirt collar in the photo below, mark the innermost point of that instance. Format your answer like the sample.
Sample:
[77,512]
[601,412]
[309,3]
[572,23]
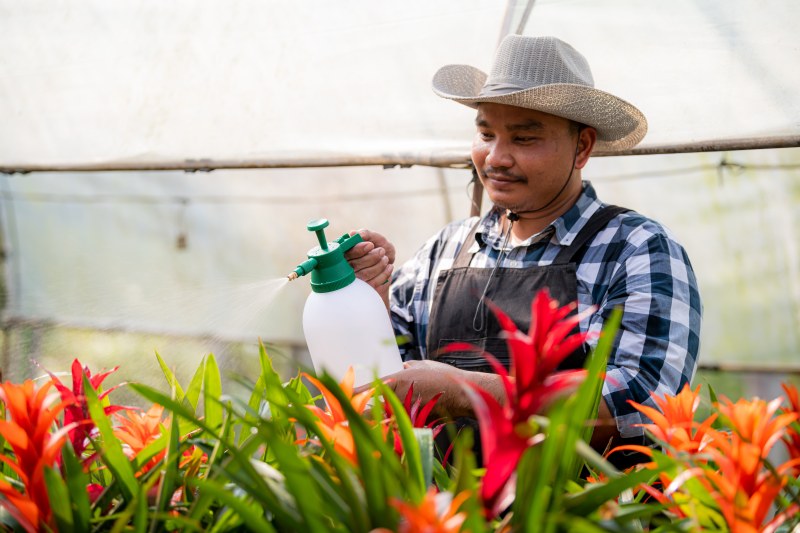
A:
[566,227]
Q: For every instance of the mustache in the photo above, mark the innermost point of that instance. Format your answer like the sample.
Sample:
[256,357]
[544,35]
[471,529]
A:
[500,173]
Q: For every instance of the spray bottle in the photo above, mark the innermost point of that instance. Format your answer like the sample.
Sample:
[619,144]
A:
[345,321]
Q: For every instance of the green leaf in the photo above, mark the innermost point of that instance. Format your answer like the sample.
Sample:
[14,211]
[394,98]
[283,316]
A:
[348,481]
[238,469]
[411,448]
[57,492]
[546,469]
[77,481]
[424,437]
[152,449]
[172,381]
[212,392]
[274,391]
[717,423]
[136,509]
[343,506]
[302,394]
[170,472]
[300,483]
[589,395]
[250,514]
[382,474]
[595,495]
[196,385]
[110,450]
[140,517]
[173,406]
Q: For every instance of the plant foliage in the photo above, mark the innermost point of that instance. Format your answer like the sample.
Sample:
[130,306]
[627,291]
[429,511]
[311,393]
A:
[311,454]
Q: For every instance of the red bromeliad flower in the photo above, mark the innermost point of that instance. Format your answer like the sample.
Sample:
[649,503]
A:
[427,517]
[529,388]
[418,415]
[333,423]
[138,430]
[28,429]
[77,410]
[503,443]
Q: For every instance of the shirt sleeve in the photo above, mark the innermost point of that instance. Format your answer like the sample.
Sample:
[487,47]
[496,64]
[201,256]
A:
[656,347]
[402,305]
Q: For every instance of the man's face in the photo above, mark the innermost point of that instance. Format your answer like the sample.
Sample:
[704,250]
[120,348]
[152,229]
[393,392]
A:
[523,157]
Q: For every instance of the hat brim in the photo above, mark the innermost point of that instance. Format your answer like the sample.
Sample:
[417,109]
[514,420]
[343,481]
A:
[619,124]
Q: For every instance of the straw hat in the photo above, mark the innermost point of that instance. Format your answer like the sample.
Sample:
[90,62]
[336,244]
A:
[548,75]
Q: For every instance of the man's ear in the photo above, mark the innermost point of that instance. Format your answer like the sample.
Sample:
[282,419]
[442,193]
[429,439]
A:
[587,137]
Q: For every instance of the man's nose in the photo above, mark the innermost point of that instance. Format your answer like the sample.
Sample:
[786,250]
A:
[499,155]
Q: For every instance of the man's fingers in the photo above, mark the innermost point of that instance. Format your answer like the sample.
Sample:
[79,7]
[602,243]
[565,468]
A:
[371,265]
[359,250]
[378,240]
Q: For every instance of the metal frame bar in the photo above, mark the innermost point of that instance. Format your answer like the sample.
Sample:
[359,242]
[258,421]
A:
[449,159]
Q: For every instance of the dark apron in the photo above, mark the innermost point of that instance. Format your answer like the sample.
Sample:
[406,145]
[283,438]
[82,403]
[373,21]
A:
[457,295]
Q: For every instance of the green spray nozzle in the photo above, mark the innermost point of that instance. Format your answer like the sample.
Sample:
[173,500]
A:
[326,263]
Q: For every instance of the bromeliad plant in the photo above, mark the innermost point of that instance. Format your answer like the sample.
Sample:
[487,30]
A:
[287,459]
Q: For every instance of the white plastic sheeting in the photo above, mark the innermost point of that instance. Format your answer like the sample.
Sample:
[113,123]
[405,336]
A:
[103,81]
[193,254]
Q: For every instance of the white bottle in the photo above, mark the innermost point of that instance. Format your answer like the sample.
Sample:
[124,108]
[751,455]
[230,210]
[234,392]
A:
[345,321]
[350,327]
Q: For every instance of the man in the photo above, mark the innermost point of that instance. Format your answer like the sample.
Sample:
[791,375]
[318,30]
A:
[538,119]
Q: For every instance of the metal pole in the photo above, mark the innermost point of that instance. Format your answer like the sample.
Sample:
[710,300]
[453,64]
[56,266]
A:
[456,158]
[714,145]
[477,194]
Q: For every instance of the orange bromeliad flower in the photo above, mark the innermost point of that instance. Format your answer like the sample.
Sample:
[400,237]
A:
[742,486]
[333,423]
[755,421]
[426,516]
[792,437]
[28,429]
[674,424]
[731,465]
[138,430]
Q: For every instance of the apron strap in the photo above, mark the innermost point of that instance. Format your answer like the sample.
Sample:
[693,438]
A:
[464,256]
[597,222]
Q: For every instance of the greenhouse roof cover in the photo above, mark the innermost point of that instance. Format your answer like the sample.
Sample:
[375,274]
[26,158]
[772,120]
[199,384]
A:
[99,81]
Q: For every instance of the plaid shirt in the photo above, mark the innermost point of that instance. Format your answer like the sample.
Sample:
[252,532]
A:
[633,263]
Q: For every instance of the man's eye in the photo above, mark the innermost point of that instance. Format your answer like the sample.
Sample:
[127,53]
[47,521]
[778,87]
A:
[525,139]
[484,135]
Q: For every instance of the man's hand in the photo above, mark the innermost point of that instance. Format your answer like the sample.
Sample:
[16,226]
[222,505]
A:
[430,378]
[373,261]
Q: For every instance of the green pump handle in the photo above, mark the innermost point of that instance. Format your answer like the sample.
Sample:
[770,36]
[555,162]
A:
[329,269]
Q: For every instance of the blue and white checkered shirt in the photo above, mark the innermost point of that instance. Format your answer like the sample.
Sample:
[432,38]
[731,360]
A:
[633,263]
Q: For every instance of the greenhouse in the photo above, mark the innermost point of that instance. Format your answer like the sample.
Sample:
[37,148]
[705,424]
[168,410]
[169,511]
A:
[160,164]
